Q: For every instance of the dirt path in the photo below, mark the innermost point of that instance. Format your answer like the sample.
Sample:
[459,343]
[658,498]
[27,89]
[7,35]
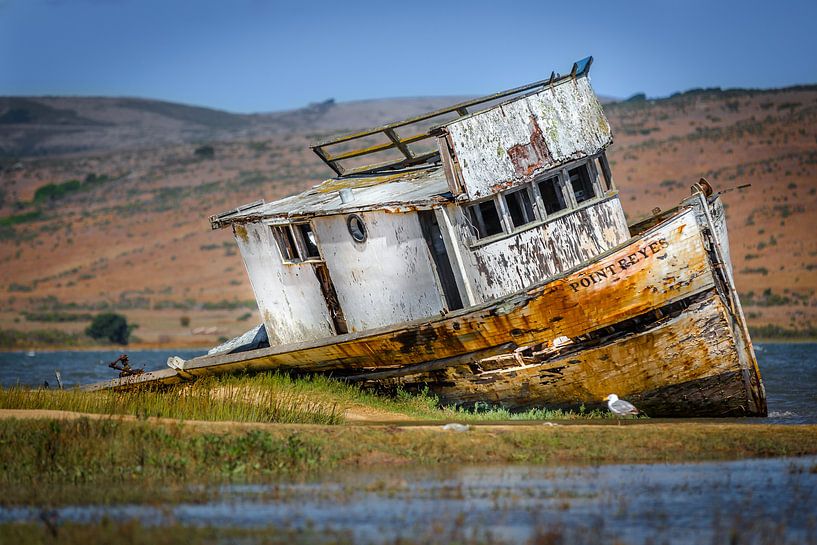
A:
[356,416]
[359,416]
[361,413]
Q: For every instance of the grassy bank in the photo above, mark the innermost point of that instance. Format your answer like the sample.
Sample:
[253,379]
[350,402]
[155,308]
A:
[265,397]
[49,462]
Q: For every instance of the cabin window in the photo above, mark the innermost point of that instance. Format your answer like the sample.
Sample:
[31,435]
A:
[552,196]
[297,242]
[286,243]
[520,207]
[484,217]
[582,183]
[356,227]
[603,169]
[309,242]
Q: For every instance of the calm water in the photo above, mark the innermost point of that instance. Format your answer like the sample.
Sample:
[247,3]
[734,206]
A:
[750,501]
[789,372]
[78,367]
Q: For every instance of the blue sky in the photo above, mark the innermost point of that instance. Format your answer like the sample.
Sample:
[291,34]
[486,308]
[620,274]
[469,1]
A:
[254,55]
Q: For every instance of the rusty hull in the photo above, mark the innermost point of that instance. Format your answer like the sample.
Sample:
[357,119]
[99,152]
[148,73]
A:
[691,359]
[684,365]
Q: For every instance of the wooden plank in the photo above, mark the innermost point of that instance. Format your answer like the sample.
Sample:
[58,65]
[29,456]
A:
[392,165]
[399,143]
[686,366]
[376,148]
[325,158]
[443,111]
[460,108]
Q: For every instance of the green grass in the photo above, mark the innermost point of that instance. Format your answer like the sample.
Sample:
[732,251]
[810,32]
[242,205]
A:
[26,217]
[16,339]
[265,397]
[271,398]
[111,461]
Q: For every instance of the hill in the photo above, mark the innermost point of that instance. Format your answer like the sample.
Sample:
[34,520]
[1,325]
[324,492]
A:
[104,201]
[49,126]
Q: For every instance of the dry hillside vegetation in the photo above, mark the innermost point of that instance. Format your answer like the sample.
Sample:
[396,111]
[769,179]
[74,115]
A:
[104,203]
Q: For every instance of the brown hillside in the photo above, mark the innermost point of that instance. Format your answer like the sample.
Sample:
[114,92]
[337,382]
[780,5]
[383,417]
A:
[133,234]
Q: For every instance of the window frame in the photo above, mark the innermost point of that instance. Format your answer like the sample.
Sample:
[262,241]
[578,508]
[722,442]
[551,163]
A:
[523,189]
[559,187]
[591,181]
[477,222]
[290,236]
[604,189]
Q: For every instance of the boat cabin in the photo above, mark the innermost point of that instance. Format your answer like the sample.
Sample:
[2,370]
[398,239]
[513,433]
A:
[468,204]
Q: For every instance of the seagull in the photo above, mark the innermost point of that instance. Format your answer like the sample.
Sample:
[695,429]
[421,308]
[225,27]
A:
[619,407]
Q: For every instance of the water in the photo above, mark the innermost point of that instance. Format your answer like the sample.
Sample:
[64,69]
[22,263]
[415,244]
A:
[78,367]
[758,501]
[789,372]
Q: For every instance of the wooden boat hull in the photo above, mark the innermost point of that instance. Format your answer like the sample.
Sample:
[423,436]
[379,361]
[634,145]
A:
[654,320]
[685,365]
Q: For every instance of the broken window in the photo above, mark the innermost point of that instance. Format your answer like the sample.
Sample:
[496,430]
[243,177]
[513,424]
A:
[605,176]
[286,243]
[582,183]
[297,242]
[552,196]
[484,217]
[520,207]
[309,242]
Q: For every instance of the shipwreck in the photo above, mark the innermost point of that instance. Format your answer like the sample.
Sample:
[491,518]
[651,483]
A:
[486,257]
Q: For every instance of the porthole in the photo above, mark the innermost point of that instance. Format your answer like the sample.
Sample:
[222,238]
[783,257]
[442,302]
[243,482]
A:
[356,227]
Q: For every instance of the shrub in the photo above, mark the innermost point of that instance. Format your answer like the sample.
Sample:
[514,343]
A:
[56,191]
[111,327]
[184,321]
[205,152]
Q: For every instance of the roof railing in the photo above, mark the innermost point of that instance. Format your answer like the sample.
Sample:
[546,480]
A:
[395,141]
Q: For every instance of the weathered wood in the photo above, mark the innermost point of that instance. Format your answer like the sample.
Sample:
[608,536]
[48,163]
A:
[685,366]
[510,144]
[460,108]
[665,264]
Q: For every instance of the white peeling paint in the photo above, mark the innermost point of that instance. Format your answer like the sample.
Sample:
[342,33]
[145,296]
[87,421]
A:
[563,124]
[289,295]
[385,280]
[529,257]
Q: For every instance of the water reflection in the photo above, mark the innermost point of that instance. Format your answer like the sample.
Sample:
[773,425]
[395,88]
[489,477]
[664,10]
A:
[759,501]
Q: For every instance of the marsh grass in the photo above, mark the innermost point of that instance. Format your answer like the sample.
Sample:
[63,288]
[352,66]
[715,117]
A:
[48,462]
[114,461]
[266,397]
[270,398]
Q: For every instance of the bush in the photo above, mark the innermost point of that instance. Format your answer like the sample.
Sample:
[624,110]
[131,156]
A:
[205,152]
[56,191]
[184,321]
[110,326]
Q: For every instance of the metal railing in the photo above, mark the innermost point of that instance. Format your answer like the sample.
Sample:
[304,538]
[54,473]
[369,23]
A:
[400,143]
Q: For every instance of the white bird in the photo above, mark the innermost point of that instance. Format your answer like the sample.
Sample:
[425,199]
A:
[619,406]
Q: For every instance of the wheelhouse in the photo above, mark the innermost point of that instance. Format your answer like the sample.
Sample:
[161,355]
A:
[482,199]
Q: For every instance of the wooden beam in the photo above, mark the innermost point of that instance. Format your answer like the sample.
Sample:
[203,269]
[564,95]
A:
[377,148]
[399,143]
